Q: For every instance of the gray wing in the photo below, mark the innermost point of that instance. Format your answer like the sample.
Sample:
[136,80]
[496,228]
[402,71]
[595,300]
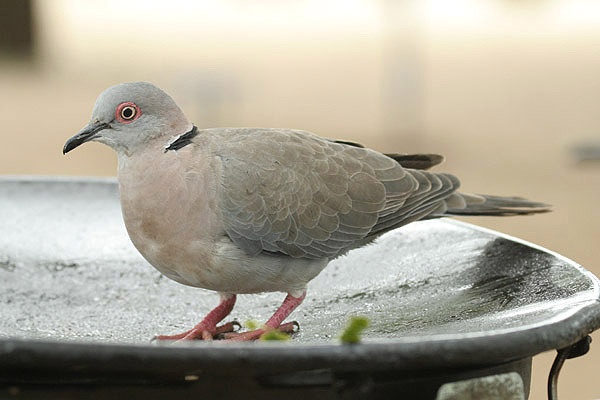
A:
[295,193]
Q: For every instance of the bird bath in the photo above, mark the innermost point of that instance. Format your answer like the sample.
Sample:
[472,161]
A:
[447,302]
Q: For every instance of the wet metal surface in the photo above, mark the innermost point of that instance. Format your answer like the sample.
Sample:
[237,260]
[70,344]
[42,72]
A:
[434,291]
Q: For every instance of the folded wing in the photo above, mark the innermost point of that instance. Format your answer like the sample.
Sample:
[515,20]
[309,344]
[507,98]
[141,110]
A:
[291,192]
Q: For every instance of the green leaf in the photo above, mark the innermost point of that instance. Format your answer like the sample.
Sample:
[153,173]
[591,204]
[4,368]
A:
[251,324]
[274,335]
[354,329]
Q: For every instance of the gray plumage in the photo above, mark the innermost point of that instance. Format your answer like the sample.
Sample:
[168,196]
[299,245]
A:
[243,210]
[291,192]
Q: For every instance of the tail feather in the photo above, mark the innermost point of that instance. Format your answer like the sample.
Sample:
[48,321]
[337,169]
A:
[486,205]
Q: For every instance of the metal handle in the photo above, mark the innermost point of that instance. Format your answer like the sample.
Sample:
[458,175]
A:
[576,350]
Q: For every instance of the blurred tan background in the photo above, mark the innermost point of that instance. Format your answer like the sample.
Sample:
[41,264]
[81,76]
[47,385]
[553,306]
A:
[504,89]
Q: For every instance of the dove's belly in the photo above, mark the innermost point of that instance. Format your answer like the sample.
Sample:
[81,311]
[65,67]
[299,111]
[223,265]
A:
[223,267]
[173,219]
[238,272]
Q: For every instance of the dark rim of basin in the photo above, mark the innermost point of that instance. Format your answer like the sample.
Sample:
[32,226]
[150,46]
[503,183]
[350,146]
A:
[405,353]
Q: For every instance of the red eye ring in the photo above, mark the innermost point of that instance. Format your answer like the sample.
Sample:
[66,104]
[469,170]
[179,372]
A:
[127,112]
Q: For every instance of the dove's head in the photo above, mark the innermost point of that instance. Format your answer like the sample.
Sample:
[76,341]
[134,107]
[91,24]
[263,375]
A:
[129,116]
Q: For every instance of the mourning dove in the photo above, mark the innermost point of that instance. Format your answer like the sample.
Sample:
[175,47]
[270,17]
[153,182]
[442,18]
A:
[249,210]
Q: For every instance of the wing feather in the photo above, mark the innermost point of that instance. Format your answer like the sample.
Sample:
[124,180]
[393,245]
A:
[294,193]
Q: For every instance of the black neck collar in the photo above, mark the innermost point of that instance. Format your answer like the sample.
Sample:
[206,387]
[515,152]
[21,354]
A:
[182,140]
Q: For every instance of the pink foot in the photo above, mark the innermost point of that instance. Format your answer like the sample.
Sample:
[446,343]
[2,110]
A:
[207,334]
[289,304]
[208,328]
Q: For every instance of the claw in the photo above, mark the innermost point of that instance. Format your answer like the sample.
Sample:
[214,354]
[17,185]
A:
[232,326]
[290,327]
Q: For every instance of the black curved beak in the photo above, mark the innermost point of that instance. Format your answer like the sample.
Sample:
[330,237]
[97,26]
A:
[84,135]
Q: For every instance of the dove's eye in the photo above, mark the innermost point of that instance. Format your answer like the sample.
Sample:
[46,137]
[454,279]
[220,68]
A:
[127,112]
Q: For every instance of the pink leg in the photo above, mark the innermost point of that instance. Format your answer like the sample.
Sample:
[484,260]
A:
[207,328]
[289,304]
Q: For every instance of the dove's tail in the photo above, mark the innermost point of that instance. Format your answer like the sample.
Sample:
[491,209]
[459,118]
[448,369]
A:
[462,204]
